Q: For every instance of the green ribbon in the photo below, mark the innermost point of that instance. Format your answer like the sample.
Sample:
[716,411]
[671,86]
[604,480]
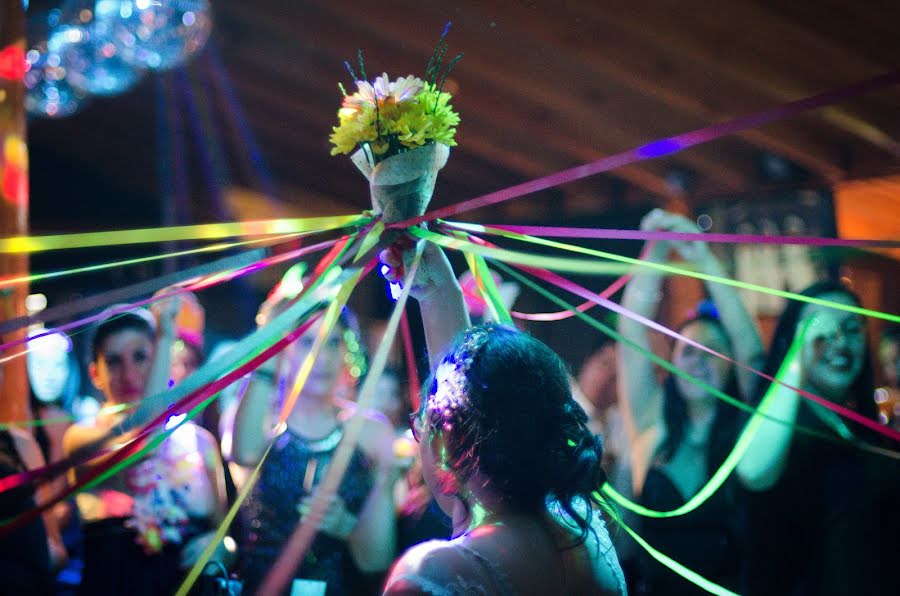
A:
[664,267]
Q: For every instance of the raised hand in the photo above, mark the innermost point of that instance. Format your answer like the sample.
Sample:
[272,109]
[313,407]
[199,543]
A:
[166,313]
[434,272]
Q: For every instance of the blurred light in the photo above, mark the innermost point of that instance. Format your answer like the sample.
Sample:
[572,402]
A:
[659,148]
[93,62]
[229,544]
[394,289]
[175,420]
[35,303]
[160,35]
[47,89]
[704,222]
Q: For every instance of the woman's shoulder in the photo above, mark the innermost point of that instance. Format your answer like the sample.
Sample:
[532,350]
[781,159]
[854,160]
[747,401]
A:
[605,574]
[434,568]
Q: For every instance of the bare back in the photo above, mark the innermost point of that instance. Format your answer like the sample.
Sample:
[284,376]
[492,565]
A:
[523,556]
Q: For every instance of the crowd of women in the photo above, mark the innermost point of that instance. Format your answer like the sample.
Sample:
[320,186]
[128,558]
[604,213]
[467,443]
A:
[503,493]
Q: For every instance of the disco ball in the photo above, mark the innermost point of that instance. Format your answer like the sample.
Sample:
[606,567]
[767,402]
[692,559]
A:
[92,61]
[48,91]
[154,34]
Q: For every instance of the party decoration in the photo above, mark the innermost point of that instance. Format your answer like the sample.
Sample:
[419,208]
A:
[145,33]
[404,130]
[423,159]
[48,91]
[93,62]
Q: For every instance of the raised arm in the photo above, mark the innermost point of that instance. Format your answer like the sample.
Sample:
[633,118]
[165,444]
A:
[764,462]
[440,298]
[640,395]
[154,400]
[253,420]
[735,318]
[373,541]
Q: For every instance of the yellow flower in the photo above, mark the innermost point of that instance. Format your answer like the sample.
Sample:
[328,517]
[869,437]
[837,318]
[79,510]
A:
[391,115]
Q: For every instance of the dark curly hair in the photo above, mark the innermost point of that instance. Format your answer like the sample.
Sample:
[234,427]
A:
[518,425]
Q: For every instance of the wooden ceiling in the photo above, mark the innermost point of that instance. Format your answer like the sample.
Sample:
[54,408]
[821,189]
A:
[544,85]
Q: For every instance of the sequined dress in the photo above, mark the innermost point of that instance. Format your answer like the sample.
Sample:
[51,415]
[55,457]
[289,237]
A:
[270,512]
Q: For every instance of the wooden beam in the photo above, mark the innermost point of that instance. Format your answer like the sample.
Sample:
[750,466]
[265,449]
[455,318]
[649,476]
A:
[528,72]
[573,136]
[652,69]
[777,59]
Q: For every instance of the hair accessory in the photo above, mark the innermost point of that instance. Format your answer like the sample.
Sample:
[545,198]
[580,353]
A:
[704,308]
[450,379]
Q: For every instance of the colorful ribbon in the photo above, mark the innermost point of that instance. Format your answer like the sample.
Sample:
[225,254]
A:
[671,269]
[32,244]
[661,147]
[658,235]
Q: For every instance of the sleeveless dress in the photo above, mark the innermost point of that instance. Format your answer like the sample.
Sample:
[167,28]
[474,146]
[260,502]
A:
[828,526]
[270,512]
[707,540]
[134,530]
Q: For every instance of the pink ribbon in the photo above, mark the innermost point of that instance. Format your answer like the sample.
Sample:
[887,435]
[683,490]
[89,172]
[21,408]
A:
[662,147]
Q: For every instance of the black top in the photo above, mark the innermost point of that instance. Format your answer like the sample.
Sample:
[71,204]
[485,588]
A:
[25,566]
[828,526]
[706,540]
[270,513]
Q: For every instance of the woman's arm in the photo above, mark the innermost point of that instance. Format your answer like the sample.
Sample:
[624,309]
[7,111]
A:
[441,302]
[253,420]
[218,503]
[373,541]
[738,324]
[640,395]
[762,465]
[33,459]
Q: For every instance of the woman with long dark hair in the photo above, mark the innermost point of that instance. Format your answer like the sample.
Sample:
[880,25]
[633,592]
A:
[680,432]
[821,514]
[507,453]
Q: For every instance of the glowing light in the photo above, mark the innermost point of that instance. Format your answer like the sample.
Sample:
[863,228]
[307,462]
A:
[659,148]
[175,421]
[35,303]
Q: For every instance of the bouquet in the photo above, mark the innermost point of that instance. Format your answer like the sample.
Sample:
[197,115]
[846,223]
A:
[401,132]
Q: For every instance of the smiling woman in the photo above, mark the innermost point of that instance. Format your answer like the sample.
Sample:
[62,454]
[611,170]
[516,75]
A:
[820,516]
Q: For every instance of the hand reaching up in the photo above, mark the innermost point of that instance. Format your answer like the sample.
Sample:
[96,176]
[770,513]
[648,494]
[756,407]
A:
[433,276]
